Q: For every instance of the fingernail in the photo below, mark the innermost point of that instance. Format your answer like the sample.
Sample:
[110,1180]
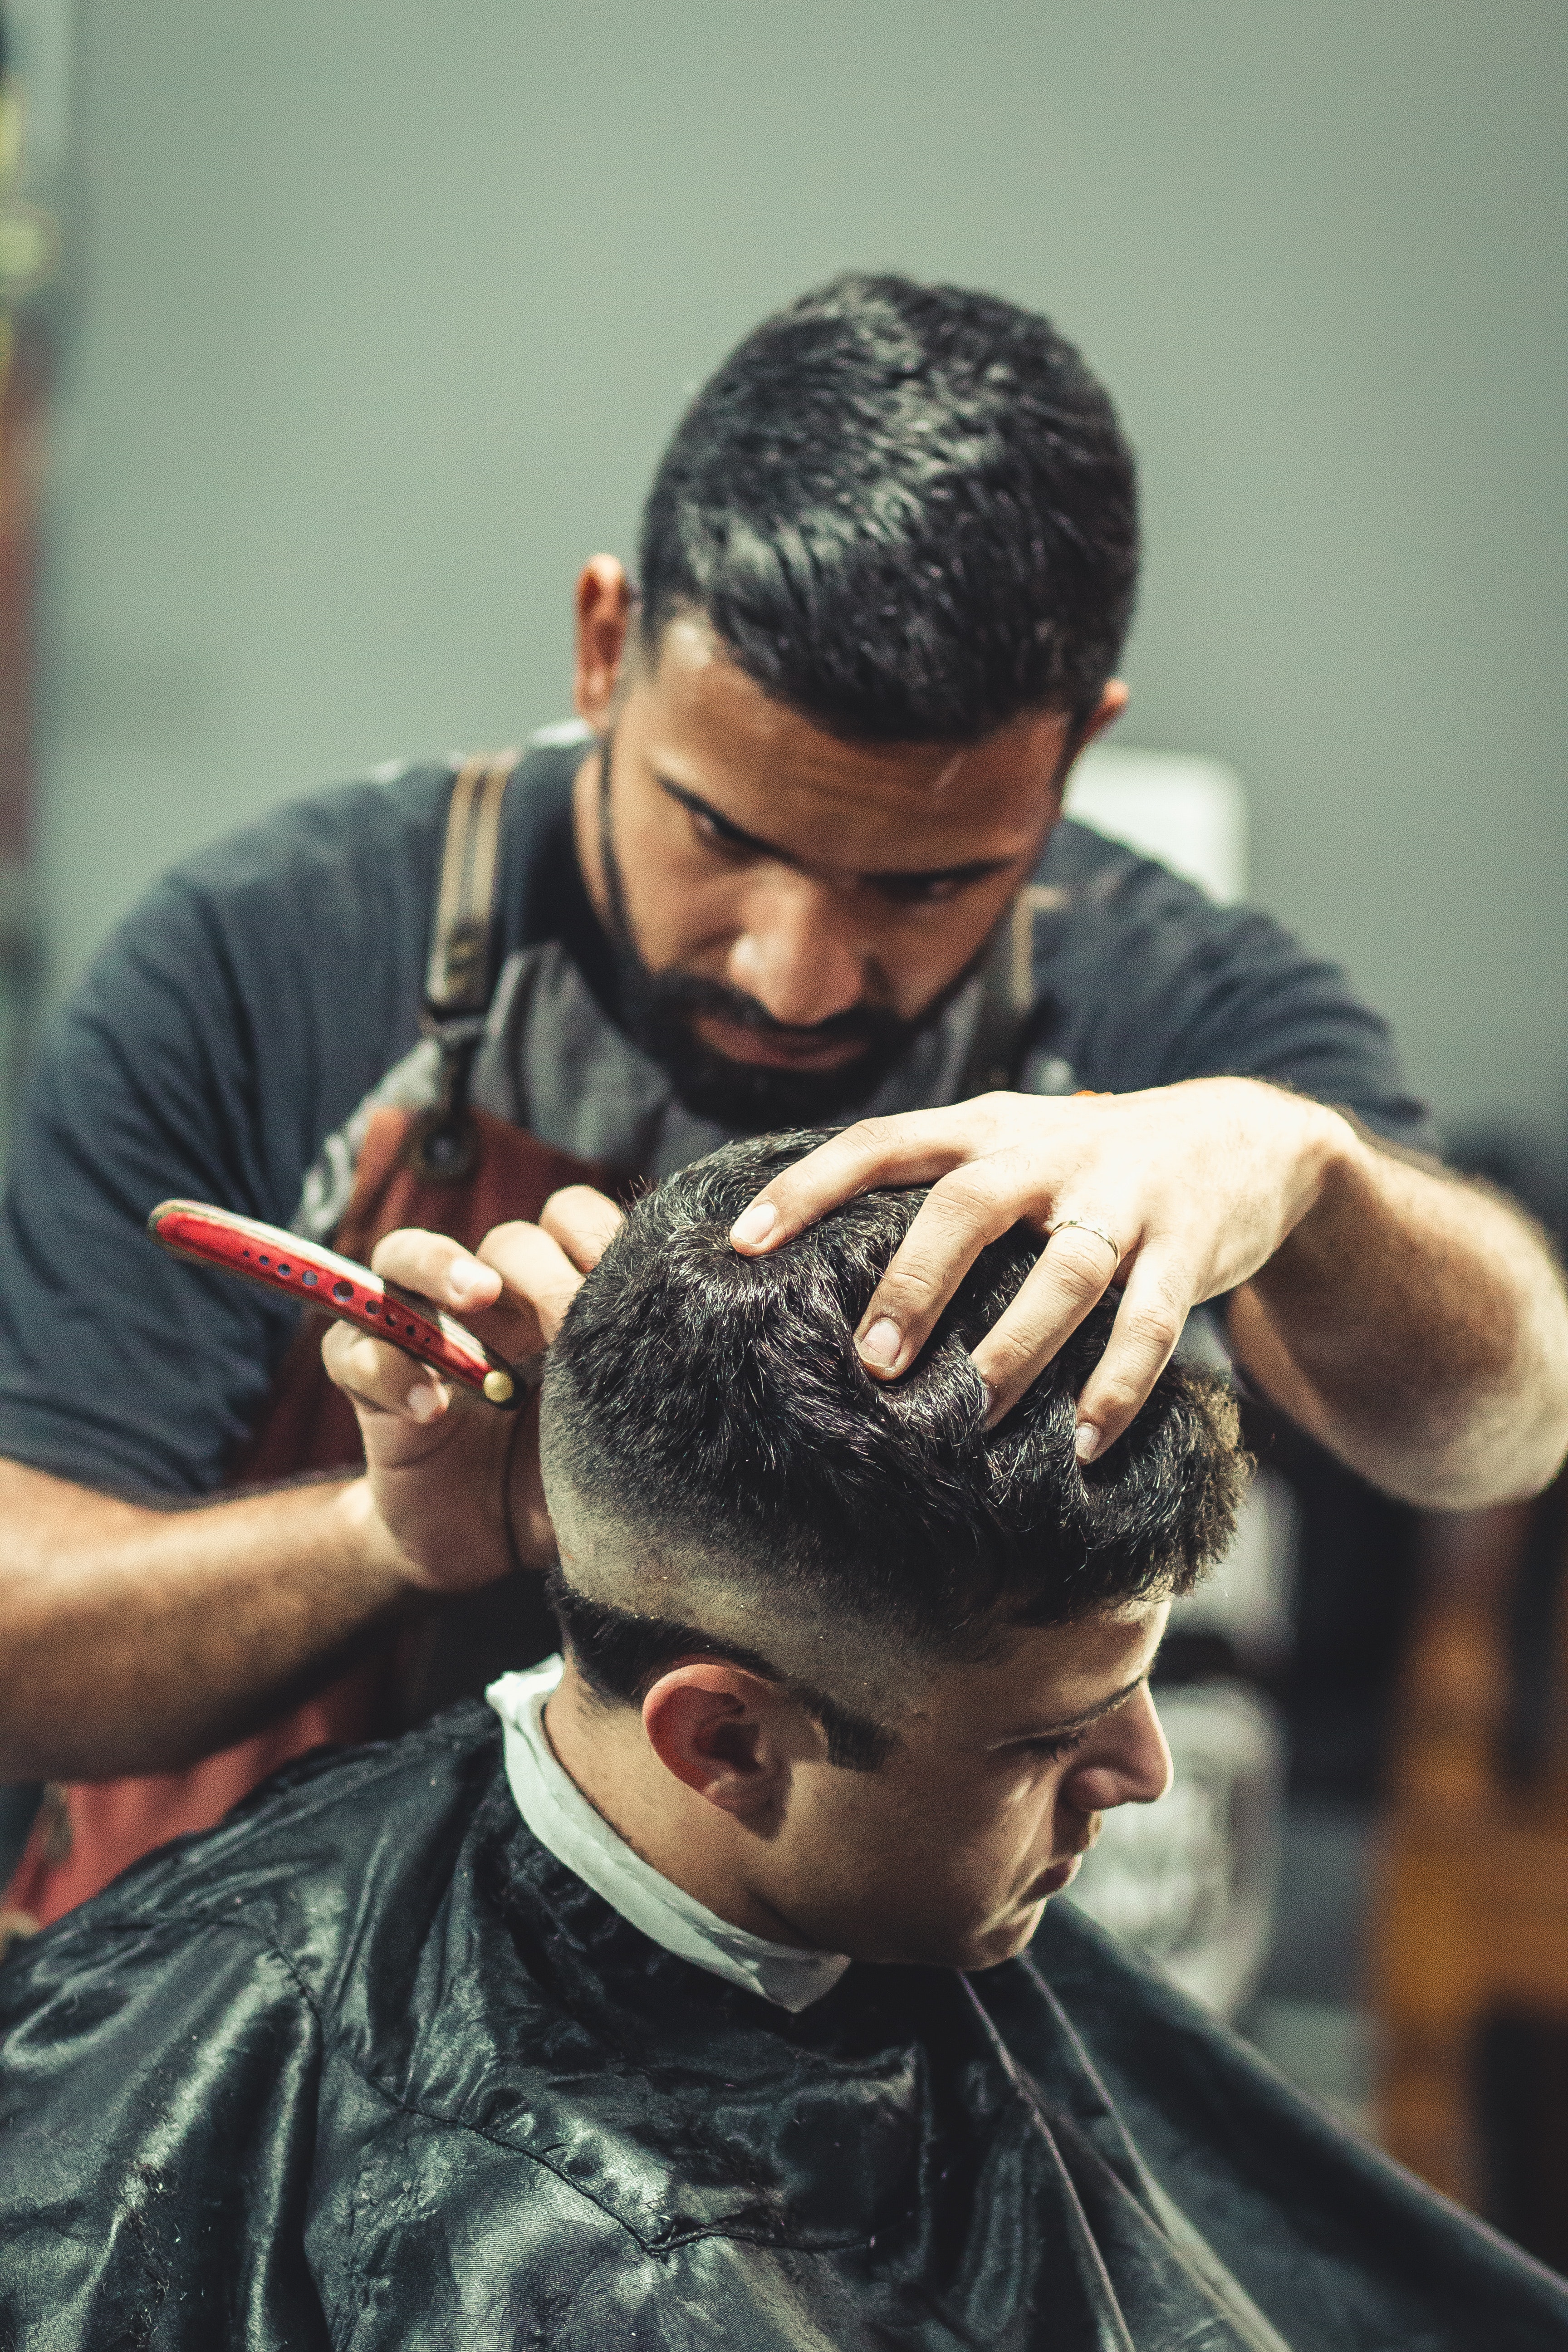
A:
[755,1224]
[1086,1441]
[881,1344]
[424,1402]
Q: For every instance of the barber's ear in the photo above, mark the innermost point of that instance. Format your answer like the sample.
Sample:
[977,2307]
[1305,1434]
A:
[604,606]
[723,1731]
[1113,700]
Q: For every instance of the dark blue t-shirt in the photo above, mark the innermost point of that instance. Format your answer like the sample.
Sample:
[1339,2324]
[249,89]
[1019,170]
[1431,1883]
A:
[249,1004]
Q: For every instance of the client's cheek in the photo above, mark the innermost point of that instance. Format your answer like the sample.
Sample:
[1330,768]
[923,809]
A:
[936,1897]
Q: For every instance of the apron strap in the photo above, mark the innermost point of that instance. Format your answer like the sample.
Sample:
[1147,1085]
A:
[460,974]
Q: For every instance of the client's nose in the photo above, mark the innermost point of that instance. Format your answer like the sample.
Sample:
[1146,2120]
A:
[1124,1762]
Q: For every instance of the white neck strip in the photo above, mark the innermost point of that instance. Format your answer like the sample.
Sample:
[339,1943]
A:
[564,1820]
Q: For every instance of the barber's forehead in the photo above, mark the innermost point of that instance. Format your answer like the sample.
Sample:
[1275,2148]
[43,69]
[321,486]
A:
[713,729]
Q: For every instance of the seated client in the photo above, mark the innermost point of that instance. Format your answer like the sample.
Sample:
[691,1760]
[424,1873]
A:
[691,1994]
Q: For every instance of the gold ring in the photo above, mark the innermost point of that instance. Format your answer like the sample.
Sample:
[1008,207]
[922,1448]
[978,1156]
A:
[1087,1225]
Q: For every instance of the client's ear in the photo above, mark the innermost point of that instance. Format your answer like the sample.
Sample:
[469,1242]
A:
[725,1732]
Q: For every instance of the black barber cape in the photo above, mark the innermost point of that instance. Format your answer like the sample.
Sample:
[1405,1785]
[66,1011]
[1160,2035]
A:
[367,2068]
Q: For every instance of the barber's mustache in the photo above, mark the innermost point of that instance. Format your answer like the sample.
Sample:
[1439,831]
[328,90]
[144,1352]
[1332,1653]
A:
[690,994]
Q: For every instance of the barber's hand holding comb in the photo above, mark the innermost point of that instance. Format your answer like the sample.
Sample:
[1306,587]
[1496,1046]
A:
[455,1484]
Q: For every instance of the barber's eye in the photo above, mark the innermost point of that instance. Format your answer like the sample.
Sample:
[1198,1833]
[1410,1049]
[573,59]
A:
[914,891]
[713,831]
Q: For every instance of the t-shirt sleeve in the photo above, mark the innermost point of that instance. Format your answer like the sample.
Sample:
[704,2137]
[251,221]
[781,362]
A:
[231,1025]
[1143,981]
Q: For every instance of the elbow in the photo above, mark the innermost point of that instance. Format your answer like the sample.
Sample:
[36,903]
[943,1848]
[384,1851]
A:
[1504,1446]
[1518,1474]
[1501,1435]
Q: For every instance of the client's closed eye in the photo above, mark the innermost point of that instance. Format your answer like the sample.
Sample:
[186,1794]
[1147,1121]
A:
[1058,1743]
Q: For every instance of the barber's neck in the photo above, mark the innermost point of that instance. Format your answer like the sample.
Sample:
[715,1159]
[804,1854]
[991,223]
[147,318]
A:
[705,1851]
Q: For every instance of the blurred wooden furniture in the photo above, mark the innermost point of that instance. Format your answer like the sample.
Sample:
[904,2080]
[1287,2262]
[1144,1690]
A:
[1471,1932]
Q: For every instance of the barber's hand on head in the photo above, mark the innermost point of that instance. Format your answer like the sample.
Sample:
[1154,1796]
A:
[456,1482]
[1183,1192]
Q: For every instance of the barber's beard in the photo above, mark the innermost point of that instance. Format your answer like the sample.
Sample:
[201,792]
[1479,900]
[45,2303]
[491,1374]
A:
[660,1011]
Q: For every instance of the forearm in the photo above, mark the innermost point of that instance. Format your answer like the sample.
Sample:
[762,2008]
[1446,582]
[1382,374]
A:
[1418,1326]
[135,1640]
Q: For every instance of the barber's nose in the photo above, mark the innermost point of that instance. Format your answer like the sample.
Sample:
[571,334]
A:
[797,953]
[1127,1761]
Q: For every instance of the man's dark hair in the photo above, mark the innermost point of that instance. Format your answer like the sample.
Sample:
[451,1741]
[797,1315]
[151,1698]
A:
[907,511]
[699,1399]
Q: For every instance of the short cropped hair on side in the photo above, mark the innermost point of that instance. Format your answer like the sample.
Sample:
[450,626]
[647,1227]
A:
[907,511]
[700,1403]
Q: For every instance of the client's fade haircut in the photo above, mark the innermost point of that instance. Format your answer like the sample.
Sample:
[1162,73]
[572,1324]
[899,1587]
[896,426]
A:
[908,511]
[702,1404]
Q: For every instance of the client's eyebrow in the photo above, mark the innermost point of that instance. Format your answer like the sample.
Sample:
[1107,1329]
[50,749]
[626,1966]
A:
[1065,1730]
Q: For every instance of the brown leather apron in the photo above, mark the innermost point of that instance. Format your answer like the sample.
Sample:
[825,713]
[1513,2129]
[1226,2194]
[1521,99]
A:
[452,1170]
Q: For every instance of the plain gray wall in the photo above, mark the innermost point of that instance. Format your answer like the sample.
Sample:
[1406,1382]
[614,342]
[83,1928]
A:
[384,310]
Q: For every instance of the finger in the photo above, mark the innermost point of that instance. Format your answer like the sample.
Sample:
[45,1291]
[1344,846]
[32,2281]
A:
[382,1378]
[1154,1306]
[541,1281]
[583,1221]
[1069,1278]
[961,1213]
[437,1268]
[912,1148]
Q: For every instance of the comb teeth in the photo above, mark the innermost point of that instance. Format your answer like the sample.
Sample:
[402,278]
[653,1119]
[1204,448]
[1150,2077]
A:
[317,1277]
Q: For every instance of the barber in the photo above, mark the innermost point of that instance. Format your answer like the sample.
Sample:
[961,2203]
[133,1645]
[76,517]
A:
[800,862]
